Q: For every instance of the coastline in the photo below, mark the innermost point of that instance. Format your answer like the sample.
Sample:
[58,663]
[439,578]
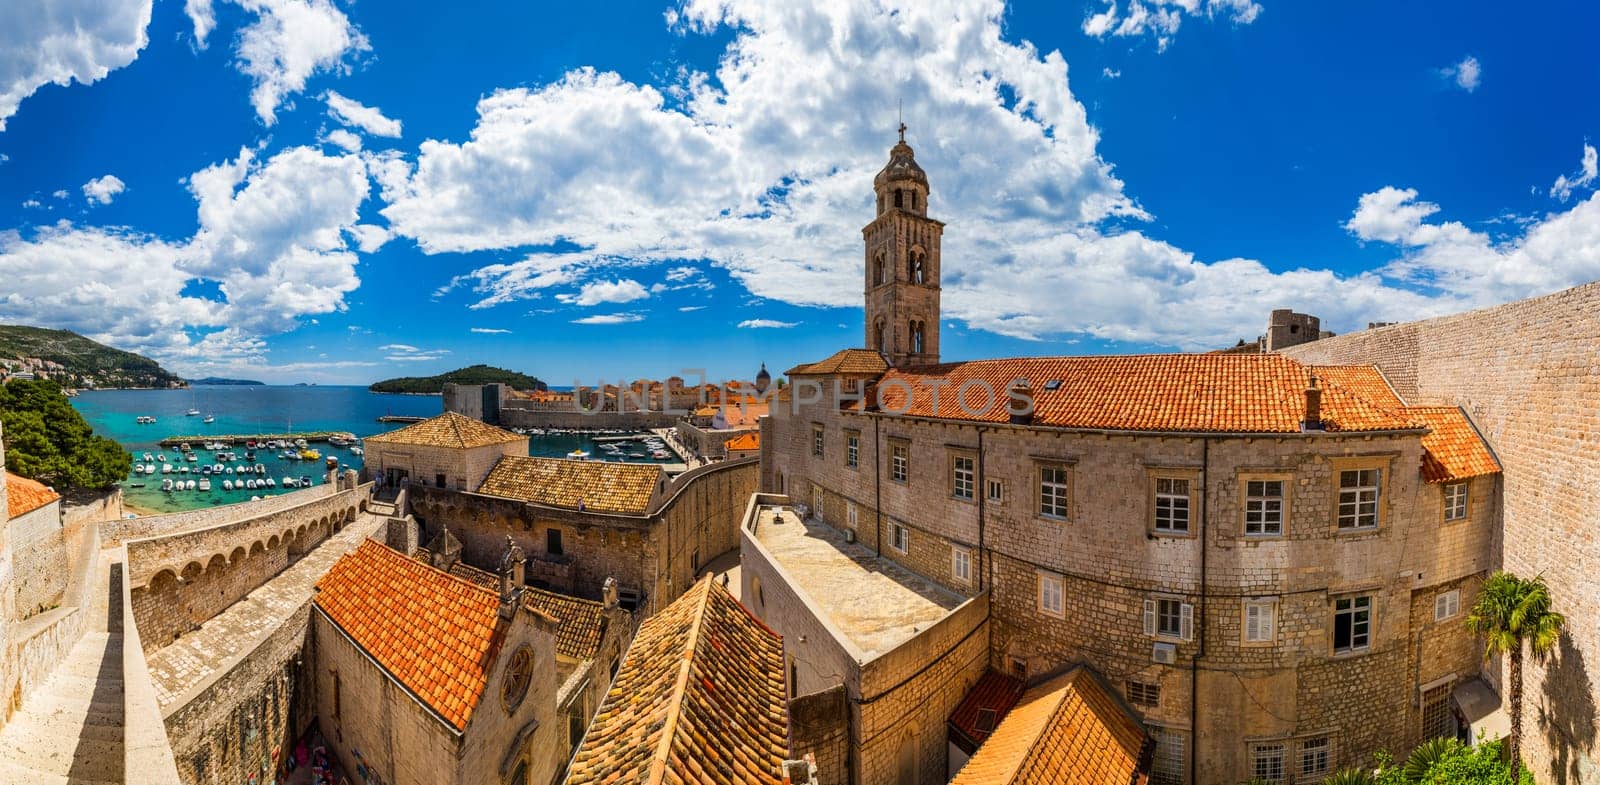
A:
[137,509]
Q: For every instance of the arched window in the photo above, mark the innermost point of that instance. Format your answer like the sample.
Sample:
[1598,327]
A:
[880,267]
[916,337]
[899,197]
[915,267]
[913,200]
[906,760]
[882,340]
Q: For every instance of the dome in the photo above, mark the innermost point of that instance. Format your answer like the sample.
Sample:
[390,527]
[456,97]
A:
[763,379]
[902,166]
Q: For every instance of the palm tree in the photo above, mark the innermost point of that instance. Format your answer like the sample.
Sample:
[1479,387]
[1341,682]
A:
[1508,612]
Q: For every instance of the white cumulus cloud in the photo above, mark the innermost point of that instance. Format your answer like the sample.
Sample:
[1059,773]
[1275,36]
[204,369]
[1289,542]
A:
[1162,18]
[626,290]
[358,115]
[1583,178]
[1465,74]
[288,42]
[761,323]
[610,318]
[45,42]
[491,331]
[101,190]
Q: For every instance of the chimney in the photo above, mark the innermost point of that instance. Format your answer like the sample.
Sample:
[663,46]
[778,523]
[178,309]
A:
[1313,420]
[511,578]
[608,593]
[1019,402]
[802,771]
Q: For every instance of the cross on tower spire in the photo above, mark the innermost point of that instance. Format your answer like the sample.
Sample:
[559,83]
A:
[900,116]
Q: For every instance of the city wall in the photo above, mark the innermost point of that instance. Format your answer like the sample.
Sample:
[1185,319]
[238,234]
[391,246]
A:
[569,419]
[1528,373]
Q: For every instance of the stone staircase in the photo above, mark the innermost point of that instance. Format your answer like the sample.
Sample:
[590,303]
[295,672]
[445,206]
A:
[70,730]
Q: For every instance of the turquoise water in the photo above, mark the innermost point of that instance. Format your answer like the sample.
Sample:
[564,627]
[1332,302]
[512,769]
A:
[256,409]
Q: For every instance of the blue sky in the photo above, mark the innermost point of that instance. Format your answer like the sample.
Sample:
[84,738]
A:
[322,191]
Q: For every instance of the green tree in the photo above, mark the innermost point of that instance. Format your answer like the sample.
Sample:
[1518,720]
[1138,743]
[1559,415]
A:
[46,439]
[1513,615]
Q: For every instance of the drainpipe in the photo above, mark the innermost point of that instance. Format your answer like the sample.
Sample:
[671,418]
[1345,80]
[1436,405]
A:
[1200,651]
[877,486]
[982,490]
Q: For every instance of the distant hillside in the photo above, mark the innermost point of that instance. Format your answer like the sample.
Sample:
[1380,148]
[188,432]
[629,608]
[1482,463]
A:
[477,374]
[72,360]
[217,380]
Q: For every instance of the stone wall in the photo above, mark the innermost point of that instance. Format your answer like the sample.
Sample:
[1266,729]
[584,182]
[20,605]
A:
[462,470]
[39,561]
[568,419]
[181,580]
[116,532]
[251,710]
[1529,376]
[655,555]
[819,725]
[107,507]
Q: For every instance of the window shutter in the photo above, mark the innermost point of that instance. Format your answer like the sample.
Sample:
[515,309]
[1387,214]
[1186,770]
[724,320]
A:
[1149,617]
[1252,622]
[1186,621]
[1438,607]
[1270,625]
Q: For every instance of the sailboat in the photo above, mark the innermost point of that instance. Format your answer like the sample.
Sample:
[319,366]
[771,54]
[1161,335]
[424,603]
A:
[210,418]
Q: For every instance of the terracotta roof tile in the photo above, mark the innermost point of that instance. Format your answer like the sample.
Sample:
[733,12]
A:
[995,693]
[1069,730]
[1453,449]
[24,495]
[598,486]
[699,699]
[435,633]
[844,361]
[745,441]
[448,430]
[1363,380]
[1214,393]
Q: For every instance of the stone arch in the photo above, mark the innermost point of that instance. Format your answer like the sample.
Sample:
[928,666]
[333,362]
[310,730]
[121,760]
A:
[217,564]
[257,548]
[905,758]
[191,571]
[349,515]
[165,580]
[237,556]
[288,535]
[880,268]
[880,336]
[272,542]
[300,532]
[916,265]
[917,329]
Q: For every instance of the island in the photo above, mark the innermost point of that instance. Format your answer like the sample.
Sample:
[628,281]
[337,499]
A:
[219,381]
[75,362]
[476,374]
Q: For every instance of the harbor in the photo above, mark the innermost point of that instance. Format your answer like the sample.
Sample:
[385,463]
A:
[242,438]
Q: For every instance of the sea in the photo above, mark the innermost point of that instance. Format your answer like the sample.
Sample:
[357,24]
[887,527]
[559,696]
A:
[253,409]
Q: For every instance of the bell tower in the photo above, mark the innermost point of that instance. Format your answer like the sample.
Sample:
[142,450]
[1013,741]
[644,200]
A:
[902,264]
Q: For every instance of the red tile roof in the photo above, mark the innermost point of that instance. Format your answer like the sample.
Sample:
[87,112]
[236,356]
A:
[700,699]
[744,442]
[1068,731]
[24,495]
[1212,393]
[435,633]
[452,430]
[595,486]
[1453,449]
[844,361]
[1363,380]
[994,693]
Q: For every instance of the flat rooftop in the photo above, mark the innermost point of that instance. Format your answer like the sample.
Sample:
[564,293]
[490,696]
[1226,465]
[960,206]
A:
[874,602]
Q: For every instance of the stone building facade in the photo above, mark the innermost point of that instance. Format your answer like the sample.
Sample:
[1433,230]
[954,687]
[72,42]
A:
[39,563]
[1248,547]
[1525,372]
[448,451]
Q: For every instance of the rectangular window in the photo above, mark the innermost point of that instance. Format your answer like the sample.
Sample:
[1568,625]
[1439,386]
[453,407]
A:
[1053,491]
[1050,594]
[1166,763]
[899,537]
[1172,505]
[1315,756]
[850,513]
[1263,508]
[1455,501]
[552,542]
[1169,618]
[1260,621]
[899,462]
[1266,762]
[438,480]
[816,440]
[852,449]
[817,500]
[1352,624]
[1446,604]
[1143,693]
[961,564]
[1358,498]
[995,490]
[963,476]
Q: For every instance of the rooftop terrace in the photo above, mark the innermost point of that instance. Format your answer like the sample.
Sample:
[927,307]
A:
[875,603]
